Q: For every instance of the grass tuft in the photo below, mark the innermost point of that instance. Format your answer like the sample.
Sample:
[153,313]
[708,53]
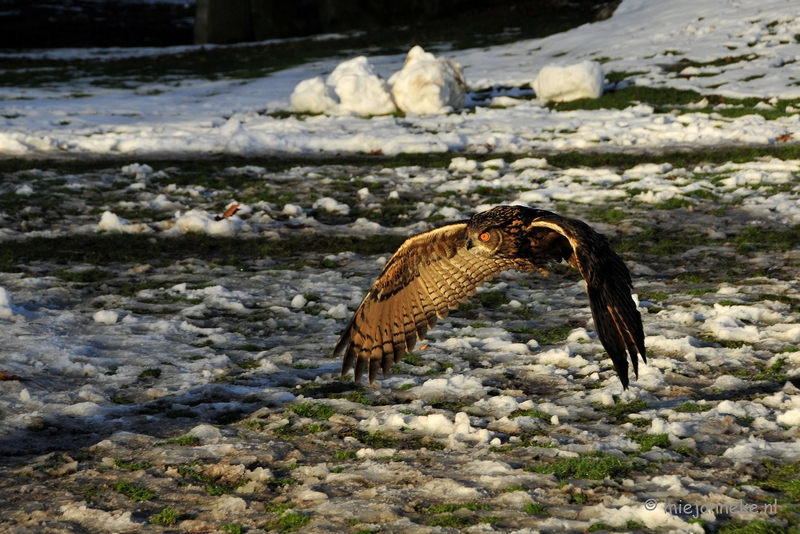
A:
[593,467]
[132,491]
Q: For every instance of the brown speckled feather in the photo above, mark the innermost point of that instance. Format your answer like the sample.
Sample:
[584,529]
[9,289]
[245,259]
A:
[434,271]
[426,278]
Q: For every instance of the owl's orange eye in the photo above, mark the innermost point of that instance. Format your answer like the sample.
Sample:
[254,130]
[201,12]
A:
[484,236]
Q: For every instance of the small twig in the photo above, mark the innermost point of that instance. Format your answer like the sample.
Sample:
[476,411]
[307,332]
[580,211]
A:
[7,377]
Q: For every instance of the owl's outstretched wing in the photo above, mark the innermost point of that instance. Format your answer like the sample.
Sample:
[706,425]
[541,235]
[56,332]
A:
[608,284]
[427,277]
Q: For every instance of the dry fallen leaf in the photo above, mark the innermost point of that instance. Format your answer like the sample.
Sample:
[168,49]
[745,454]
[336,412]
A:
[424,346]
[228,213]
[6,376]
[784,137]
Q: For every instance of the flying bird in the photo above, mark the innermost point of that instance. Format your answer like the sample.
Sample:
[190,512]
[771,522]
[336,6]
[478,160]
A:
[431,273]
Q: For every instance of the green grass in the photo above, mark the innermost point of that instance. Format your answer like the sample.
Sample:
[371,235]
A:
[774,372]
[232,528]
[448,508]
[167,517]
[535,508]
[755,527]
[451,521]
[702,291]
[593,467]
[83,277]
[277,508]
[548,336]
[621,409]
[213,486]
[530,413]
[132,491]
[492,299]
[150,372]
[692,407]
[105,249]
[313,410]
[184,441]
[610,216]
[377,440]
[288,522]
[131,466]
[344,455]
[755,238]
[648,441]
[666,99]
[413,359]
[657,241]
[784,479]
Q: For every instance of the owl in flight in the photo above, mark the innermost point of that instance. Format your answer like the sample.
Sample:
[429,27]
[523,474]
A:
[432,272]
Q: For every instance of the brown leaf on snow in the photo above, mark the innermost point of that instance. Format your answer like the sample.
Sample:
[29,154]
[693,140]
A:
[6,376]
[228,213]
[784,137]
[378,152]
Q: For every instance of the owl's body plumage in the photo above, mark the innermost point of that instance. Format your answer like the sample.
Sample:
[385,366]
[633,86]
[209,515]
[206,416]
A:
[433,272]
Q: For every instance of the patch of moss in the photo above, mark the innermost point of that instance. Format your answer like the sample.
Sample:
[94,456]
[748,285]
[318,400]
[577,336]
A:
[313,410]
[594,467]
[621,409]
[288,522]
[648,441]
[692,407]
[535,508]
[550,336]
[132,491]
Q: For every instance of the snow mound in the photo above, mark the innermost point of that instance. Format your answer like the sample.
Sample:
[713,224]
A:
[353,88]
[7,309]
[200,221]
[458,434]
[313,96]
[427,84]
[754,450]
[111,222]
[564,83]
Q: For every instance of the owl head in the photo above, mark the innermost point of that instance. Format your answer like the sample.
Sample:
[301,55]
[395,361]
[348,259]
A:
[499,232]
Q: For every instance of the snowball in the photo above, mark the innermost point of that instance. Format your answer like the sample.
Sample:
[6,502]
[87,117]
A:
[299,301]
[564,83]
[314,96]
[105,317]
[427,84]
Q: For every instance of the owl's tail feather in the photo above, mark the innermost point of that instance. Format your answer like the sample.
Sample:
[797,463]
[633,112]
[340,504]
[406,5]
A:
[617,321]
